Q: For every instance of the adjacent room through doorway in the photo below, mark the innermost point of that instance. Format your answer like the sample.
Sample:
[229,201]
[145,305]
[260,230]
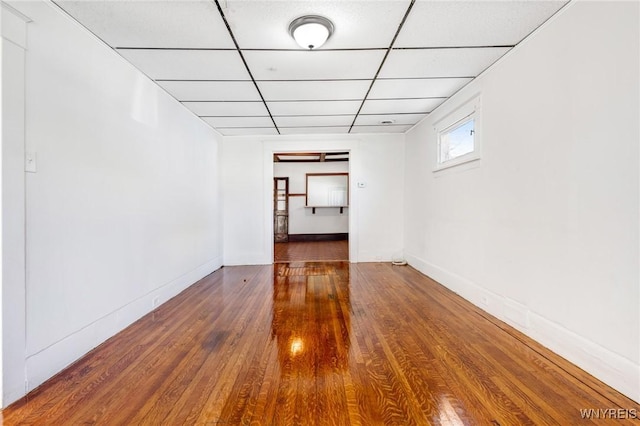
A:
[311,206]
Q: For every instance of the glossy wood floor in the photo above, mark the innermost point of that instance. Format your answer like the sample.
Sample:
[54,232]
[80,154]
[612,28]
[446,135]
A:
[317,251]
[318,343]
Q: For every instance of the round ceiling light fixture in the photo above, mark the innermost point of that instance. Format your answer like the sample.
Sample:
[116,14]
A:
[311,31]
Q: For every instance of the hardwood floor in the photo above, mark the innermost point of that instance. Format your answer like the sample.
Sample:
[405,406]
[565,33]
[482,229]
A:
[318,343]
[311,251]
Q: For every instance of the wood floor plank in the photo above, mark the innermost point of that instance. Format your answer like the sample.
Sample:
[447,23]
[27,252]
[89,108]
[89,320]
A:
[125,358]
[318,343]
[91,371]
[311,251]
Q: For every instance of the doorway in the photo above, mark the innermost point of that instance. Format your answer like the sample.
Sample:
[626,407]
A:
[313,232]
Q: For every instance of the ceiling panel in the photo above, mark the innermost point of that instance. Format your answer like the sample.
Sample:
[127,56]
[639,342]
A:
[473,23]
[416,88]
[187,48]
[247,131]
[389,106]
[227,109]
[314,90]
[212,90]
[193,24]
[376,119]
[313,65]
[188,64]
[314,107]
[239,121]
[380,129]
[417,63]
[358,24]
[314,120]
[312,130]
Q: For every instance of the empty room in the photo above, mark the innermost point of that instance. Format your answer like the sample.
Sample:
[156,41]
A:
[348,212]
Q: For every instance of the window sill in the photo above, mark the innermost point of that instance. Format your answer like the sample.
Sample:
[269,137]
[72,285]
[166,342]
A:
[457,162]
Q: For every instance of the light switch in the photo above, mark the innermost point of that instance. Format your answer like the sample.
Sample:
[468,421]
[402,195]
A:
[30,162]
[362,184]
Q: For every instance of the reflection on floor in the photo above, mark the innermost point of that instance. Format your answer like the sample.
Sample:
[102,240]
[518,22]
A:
[313,251]
[319,343]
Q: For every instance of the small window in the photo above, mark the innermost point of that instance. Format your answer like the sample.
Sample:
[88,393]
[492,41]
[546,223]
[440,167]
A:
[458,134]
[457,140]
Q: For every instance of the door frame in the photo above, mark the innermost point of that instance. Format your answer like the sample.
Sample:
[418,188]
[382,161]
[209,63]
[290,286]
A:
[13,207]
[320,144]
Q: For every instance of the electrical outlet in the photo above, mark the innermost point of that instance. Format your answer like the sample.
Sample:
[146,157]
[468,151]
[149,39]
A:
[155,302]
[484,300]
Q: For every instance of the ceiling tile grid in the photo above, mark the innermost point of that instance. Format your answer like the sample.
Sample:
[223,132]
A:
[194,91]
[227,109]
[387,65]
[379,119]
[152,24]
[393,106]
[315,90]
[314,120]
[239,122]
[381,129]
[187,64]
[358,24]
[313,130]
[293,65]
[314,107]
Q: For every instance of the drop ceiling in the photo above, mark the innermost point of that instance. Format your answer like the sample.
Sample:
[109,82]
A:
[234,65]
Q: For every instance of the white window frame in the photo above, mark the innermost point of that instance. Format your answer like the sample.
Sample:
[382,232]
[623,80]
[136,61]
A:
[470,110]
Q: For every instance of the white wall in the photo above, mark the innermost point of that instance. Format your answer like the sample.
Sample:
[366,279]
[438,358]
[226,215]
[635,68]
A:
[124,210]
[12,188]
[543,231]
[1,213]
[302,220]
[375,212]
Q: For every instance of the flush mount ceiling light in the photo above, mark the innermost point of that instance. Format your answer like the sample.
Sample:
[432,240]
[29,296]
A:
[311,31]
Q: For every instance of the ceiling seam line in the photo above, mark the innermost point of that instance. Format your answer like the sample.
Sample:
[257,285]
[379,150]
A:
[244,61]
[393,40]
[344,49]
[213,49]
[315,100]
[230,49]
[199,80]
[497,46]
[266,116]
[343,125]
[314,115]
[299,100]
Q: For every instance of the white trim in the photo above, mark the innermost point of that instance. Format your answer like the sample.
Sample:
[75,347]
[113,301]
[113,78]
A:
[12,206]
[293,145]
[468,110]
[615,370]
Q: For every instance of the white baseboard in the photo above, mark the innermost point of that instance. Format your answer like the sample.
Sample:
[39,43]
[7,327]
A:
[45,364]
[379,256]
[258,259]
[372,257]
[618,372]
